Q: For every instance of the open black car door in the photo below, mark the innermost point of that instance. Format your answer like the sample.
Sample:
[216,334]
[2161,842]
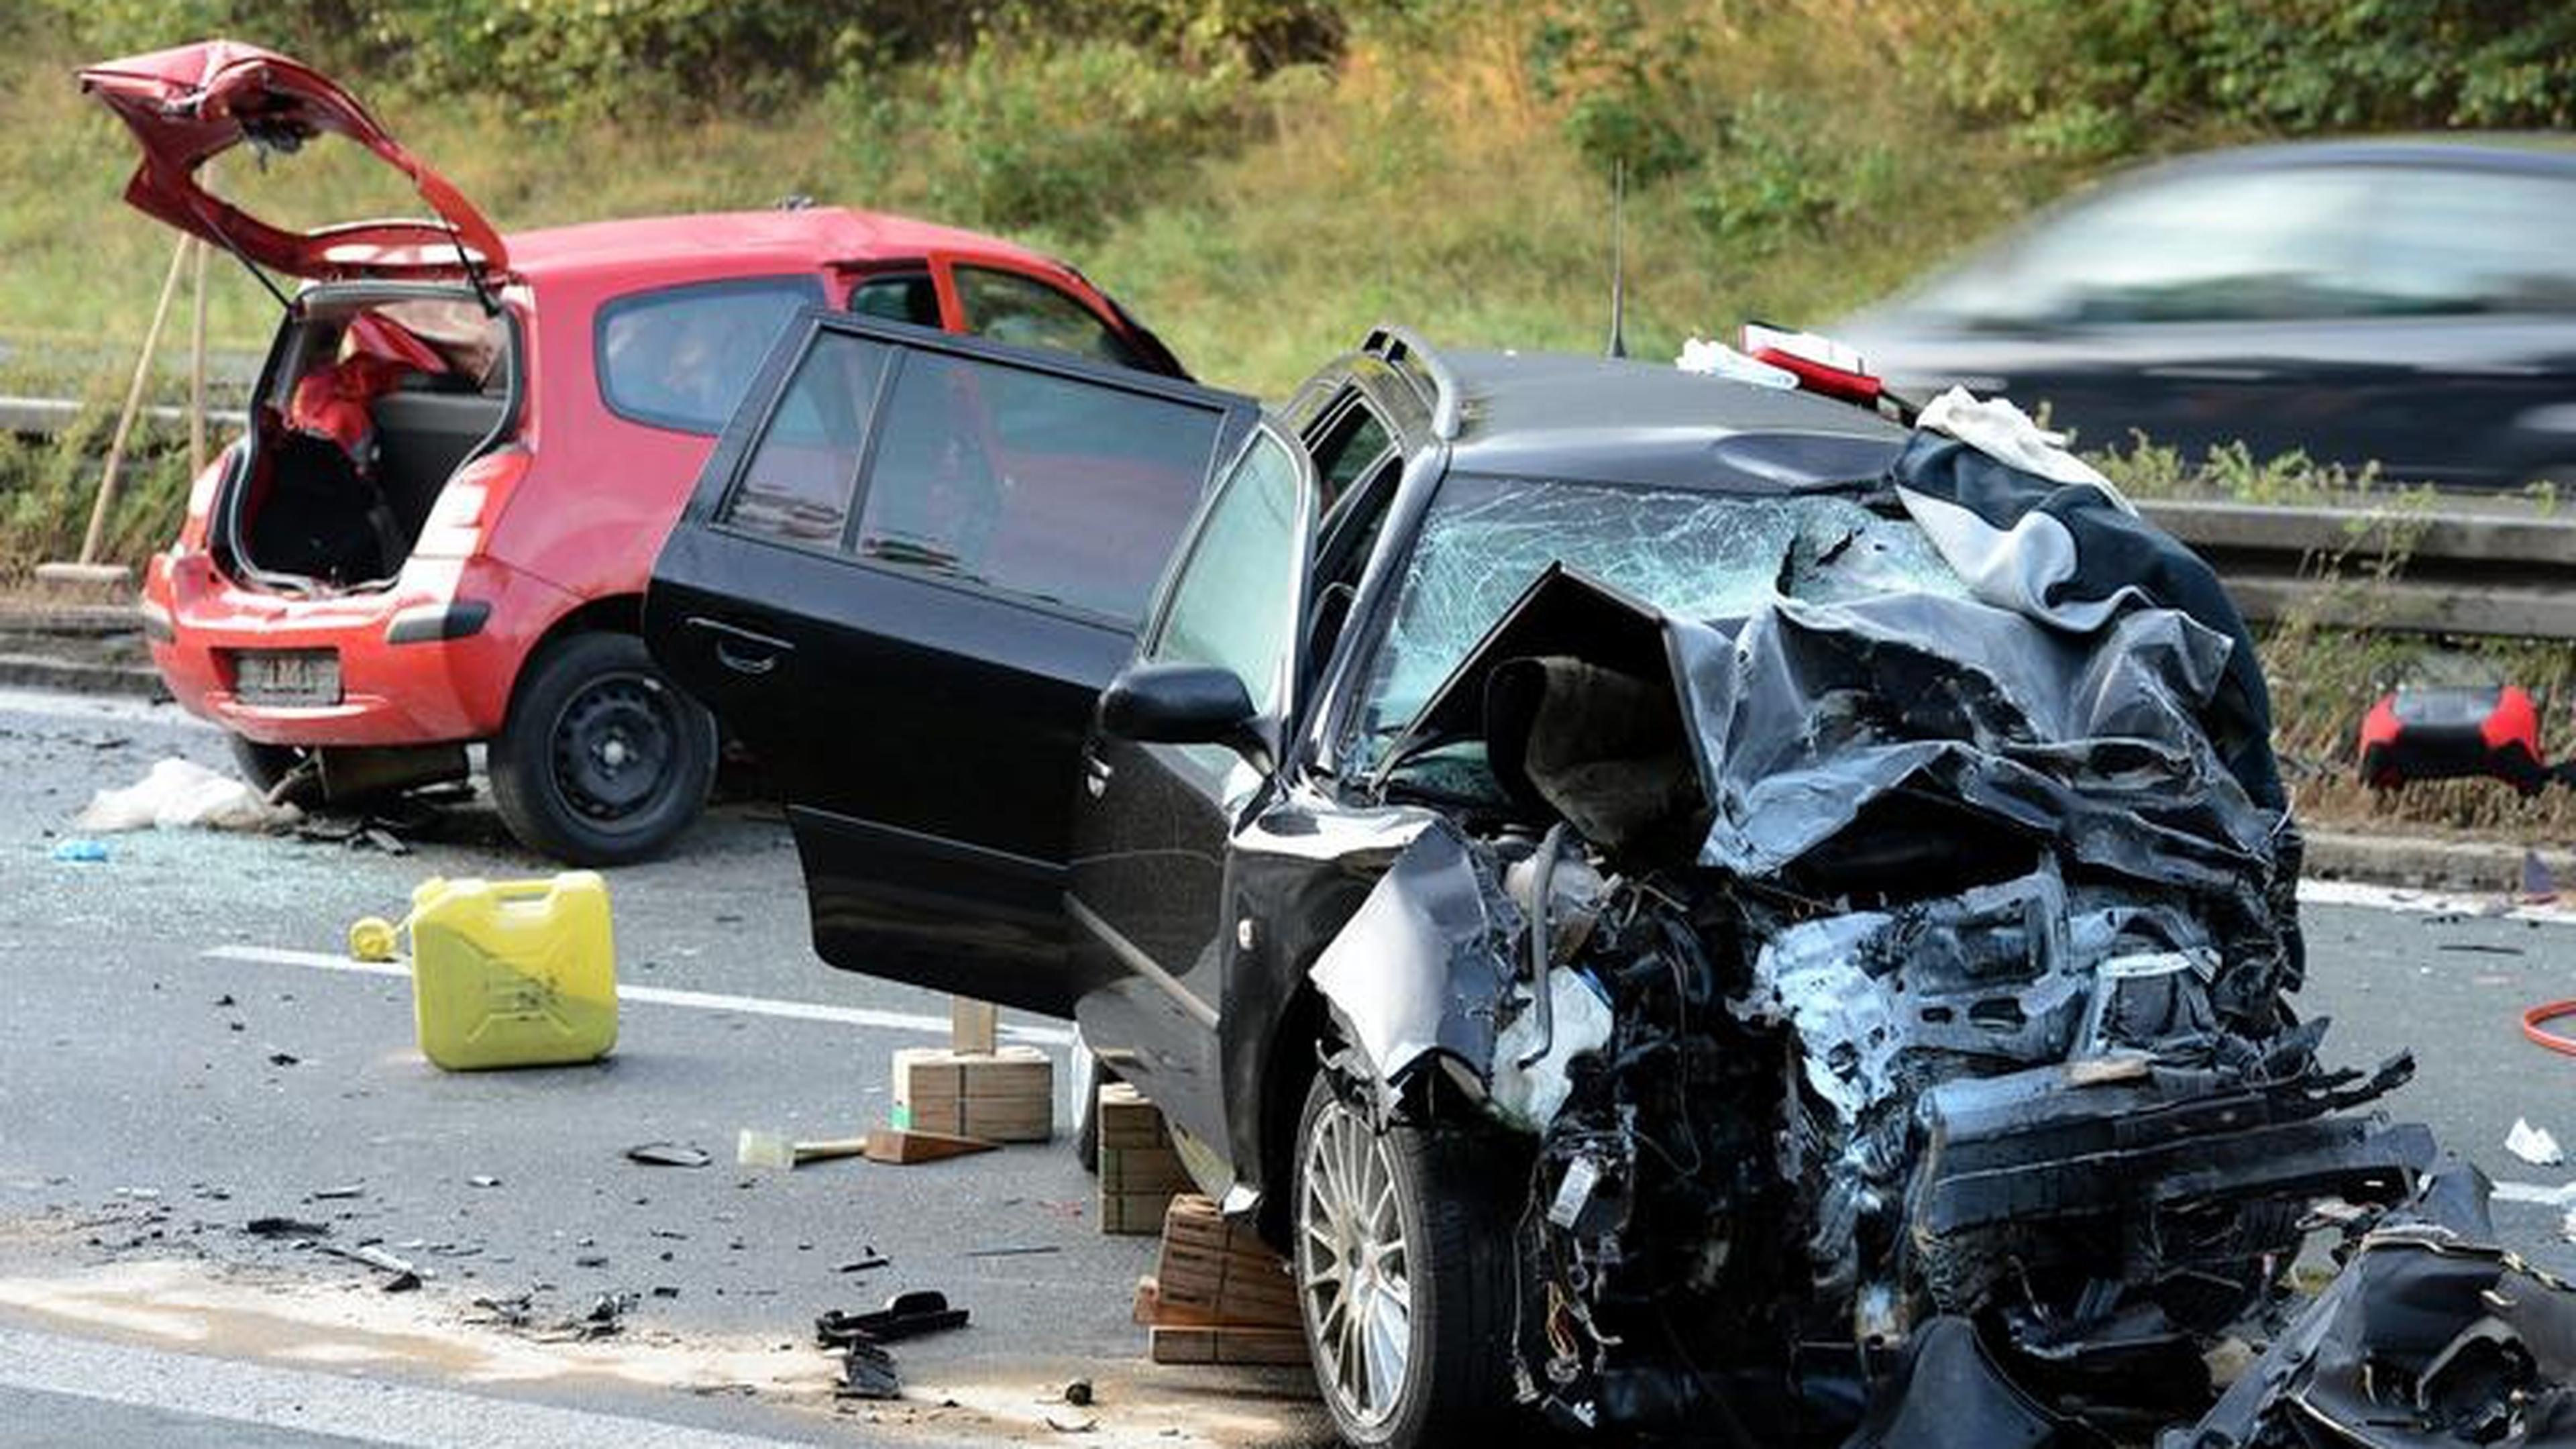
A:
[909,568]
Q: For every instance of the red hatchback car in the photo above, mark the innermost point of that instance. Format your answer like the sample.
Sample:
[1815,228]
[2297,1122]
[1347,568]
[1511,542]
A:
[466,447]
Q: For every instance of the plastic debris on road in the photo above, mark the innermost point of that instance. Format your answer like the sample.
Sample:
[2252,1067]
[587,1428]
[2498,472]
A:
[81,852]
[2533,1144]
[179,794]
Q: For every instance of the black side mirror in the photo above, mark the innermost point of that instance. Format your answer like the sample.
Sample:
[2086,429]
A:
[1183,704]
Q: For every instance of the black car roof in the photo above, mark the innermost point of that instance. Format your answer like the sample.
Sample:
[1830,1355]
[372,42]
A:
[1559,416]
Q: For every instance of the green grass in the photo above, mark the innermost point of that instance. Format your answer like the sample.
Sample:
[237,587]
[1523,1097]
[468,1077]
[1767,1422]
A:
[1428,185]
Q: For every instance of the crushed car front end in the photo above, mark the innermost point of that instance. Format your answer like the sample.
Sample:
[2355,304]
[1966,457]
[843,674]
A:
[1855,925]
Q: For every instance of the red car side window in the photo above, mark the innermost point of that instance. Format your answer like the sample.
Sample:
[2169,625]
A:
[1026,312]
[679,357]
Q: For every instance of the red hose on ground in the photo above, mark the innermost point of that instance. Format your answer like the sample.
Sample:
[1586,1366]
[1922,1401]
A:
[2532,1028]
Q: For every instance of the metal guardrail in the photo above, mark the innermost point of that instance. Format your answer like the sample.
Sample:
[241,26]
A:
[2466,566]
[42,417]
[2492,566]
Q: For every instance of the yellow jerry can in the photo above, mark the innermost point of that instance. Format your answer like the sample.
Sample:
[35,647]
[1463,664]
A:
[513,973]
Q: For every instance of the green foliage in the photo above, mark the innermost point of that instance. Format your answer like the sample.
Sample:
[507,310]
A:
[1065,138]
[2148,469]
[2099,78]
[634,60]
[1259,35]
[1783,175]
[47,487]
[1620,82]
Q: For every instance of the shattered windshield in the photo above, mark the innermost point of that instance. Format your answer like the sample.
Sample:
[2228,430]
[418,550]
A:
[1697,555]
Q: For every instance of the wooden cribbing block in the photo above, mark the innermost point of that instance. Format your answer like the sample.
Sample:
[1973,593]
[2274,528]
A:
[1001,1096]
[903,1148]
[1127,1120]
[1133,1214]
[1144,1170]
[971,1025]
[1221,1271]
[1226,1344]
[1139,1171]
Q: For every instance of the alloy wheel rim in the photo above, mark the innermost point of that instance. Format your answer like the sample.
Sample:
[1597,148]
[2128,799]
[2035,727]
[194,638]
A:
[1353,1269]
[613,747]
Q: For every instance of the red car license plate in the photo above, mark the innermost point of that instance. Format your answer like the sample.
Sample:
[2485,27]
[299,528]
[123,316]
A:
[287,676]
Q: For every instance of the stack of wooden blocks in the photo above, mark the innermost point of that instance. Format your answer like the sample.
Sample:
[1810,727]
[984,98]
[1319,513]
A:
[1219,1294]
[1139,1171]
[1005,1094]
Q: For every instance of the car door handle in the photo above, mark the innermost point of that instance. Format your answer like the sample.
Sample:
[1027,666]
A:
[1095,774]
[742,650]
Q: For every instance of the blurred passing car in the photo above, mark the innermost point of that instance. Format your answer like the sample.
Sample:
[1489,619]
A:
[465,447]
[2408,302]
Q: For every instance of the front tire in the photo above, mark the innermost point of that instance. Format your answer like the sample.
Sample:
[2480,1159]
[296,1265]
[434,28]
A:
[1406,1268]
[602,760]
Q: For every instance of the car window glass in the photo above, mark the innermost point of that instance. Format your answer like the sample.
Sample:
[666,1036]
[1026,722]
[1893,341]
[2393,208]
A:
[1234,602]
[904,297]
[2470,241]
[797,484]
[681,357]
[1057,490]
[2254,245]
[1697,555]
[1355,440]
[1029,313]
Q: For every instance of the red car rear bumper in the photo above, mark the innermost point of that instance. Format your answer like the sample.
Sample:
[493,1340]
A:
[420,663]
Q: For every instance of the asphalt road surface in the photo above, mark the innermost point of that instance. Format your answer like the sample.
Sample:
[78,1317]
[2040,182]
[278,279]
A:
[183,1050]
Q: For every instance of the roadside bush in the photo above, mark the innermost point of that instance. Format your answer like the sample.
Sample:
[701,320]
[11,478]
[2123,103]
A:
[2097,78]
[1028,133]
[1779,175]
[1262,35]
[584,60]
[48,485]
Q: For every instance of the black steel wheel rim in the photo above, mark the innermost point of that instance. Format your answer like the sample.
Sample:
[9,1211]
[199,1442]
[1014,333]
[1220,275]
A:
[615,746]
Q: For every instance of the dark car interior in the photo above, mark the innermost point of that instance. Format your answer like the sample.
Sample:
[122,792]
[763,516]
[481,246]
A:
[356,436]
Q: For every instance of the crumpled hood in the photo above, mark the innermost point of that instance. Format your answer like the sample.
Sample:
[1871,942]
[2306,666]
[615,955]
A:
[1794,722]
[1810,713]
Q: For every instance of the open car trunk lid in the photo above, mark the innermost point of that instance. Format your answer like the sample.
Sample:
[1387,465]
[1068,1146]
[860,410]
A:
[190,104]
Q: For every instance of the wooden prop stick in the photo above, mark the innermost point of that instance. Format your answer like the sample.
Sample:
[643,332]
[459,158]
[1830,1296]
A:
[133,404]
[197,368]
[971,1026]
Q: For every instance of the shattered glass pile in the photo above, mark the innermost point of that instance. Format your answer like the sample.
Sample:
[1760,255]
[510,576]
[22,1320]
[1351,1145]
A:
[1885,989]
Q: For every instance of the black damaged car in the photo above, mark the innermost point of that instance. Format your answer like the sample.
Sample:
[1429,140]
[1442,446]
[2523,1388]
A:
[1680,906]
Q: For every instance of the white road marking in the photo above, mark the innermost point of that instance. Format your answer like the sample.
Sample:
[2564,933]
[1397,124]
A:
[2392,898]
[668,996]
[2563,1195]
[47,704]
[367,1410]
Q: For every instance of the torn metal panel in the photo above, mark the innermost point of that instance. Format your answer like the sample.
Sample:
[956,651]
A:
[2430,1337]
[1426,965]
